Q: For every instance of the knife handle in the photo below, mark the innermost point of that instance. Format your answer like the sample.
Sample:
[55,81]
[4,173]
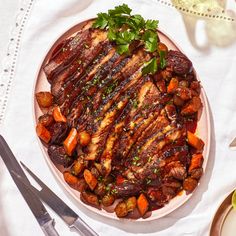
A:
[84,230]
[48,229]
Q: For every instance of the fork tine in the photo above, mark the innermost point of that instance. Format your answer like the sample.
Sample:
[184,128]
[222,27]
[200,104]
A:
[33,175]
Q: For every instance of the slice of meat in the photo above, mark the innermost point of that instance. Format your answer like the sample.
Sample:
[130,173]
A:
[79,64]
[68,52]
[136,126]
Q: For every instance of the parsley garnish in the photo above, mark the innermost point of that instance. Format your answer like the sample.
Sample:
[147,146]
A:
[150,67]
[135,103]
[124,29]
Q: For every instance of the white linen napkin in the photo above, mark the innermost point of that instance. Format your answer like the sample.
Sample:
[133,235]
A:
[213,52]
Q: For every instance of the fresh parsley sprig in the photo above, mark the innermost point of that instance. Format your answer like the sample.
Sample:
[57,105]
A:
[124,29]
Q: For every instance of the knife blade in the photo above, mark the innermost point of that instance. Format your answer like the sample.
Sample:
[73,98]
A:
[57,205]
[37,208]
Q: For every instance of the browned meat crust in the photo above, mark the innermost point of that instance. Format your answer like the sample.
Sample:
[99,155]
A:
[125,133]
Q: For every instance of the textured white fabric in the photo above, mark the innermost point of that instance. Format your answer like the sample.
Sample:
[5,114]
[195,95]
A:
[215,63]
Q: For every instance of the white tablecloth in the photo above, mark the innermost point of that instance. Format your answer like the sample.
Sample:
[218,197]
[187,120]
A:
[213,53]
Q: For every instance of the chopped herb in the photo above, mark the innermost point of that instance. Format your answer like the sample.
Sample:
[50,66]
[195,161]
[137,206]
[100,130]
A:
[125,28]
[146,106]
[148,181]
[150,39]
[150,67]
[114,191]
[89,98]
[99,118]
[156,171]
[95,80]
[123,9]
[101,21]
[86,46]
[162,55]
[149,159]
[135,103]
[152,24]
[135,161]
[122,48]
[110,88]
[100,178]
[108,188]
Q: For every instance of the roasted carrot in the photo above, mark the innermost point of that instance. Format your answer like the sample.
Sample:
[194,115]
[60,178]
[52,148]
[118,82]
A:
[119,180]
[192,106]
[75,182]
[43,133]
[90,179]
[196,162]
[70,179]
[142,204]
[184,93]
[57,115]
[173,85]
[194,141]
[70,142]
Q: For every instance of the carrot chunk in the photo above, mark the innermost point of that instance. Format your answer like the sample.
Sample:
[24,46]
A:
[173,85]
[57,115]
[70,142]
[194,141]
[196,162]
[192,106]
[90,179]
[142,204]
[43,133]
[75,182]
[70,179]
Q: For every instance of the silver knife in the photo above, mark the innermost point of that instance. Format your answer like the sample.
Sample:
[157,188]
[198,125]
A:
[57,205]
[42,216]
